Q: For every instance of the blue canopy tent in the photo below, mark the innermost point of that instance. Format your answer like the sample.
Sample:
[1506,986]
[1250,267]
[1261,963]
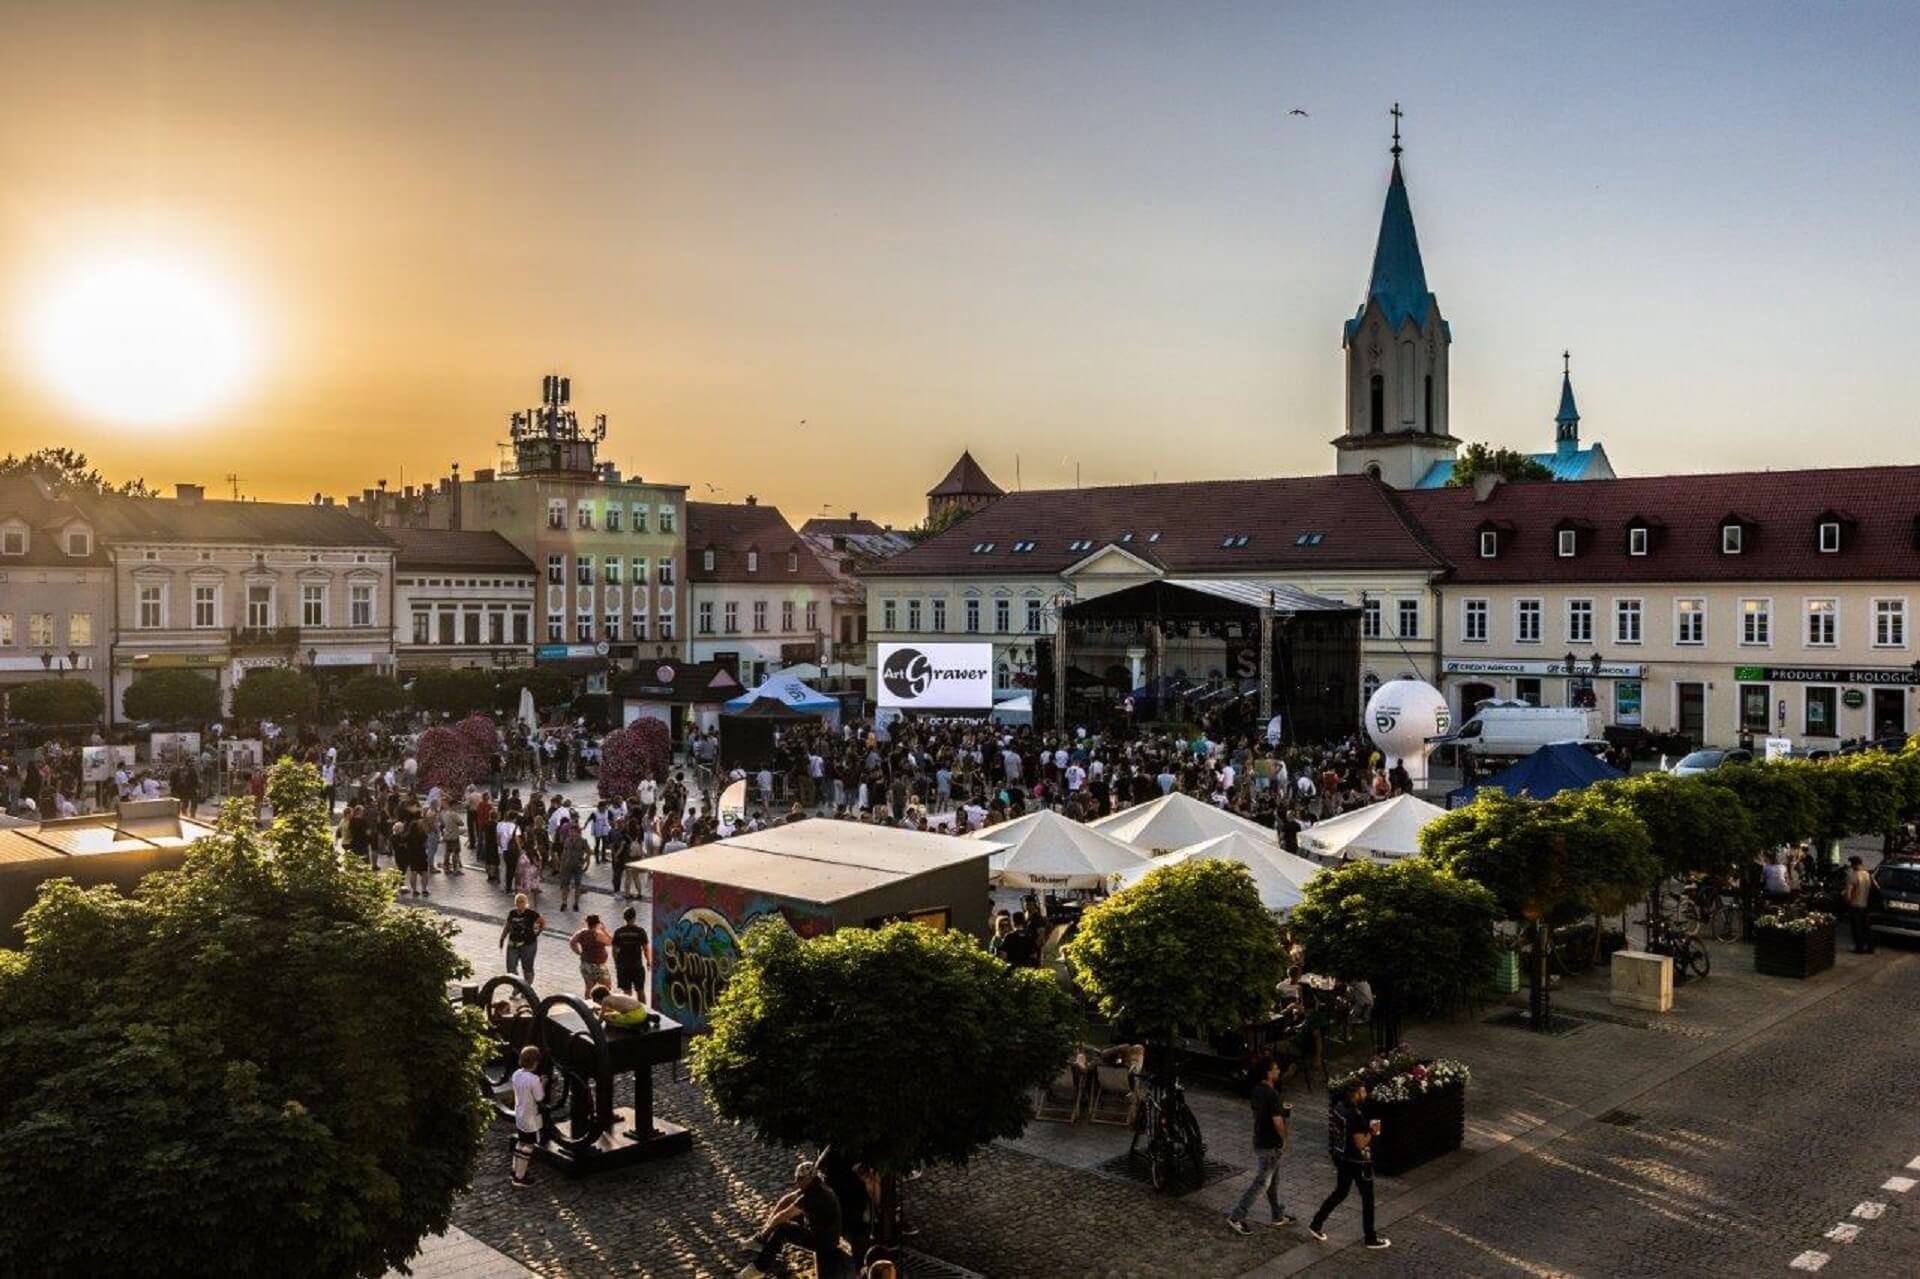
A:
[1543,774]
[792,692]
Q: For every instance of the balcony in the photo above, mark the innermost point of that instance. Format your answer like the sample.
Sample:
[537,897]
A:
[245,639]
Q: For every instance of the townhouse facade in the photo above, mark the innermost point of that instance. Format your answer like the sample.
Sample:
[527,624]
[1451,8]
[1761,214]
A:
[760,598]
[462,599]
[56,589]
[847,548]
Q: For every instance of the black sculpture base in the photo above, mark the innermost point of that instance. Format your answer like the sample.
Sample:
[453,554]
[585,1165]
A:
[623,1147]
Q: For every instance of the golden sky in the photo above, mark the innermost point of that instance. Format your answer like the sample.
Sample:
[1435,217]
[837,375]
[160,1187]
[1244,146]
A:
[1079,234]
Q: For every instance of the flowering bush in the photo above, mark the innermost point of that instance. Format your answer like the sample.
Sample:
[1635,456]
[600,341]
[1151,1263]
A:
[448,760]
[641,749]
[480,733]
[1780,923]
[1401,1076]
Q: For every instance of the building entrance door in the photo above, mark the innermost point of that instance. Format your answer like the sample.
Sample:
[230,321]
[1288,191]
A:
[1471,695]
[1692,699]
[1889,712]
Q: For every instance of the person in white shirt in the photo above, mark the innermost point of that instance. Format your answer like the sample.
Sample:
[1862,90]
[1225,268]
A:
[1076,777]
[529,1090]
[648,789]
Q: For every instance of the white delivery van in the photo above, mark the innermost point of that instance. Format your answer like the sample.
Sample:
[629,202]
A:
[1509,730]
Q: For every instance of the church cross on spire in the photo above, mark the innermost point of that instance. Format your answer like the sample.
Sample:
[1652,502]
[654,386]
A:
[1396,113]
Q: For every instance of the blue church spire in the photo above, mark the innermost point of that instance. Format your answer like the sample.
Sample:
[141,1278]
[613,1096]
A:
[1399,280]
[1567,421]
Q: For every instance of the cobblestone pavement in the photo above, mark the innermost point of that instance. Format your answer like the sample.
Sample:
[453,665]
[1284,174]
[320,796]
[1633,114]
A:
[1762,1141]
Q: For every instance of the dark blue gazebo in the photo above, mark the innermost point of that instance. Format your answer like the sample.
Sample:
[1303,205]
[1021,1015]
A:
[1543,774]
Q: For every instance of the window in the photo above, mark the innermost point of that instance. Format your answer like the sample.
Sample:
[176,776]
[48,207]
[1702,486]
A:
[496,626]
[556,628]
[639,578]
[706,560]
[1690,621]
[206,606]
[759,617]
[583,570]
[610,570]
[1376,404]
[666,519]
[1822,623]
[730,614]
[1569,542]
[152,607]
[1822,719]
[1033,615]
[449,626]
[753,561]
[556,513]
[360,604]
[259,606]
[703,618]
[786,617]
[611,627]
[1370,618]
[1889,623]
[1626,621]
[666,628]
[639,512]
[313,604]
[1579,621]
[583,628]
[887,615]
[613,517]
[522,624]
[1409,619]
[40,630]
[1002,615]
[793,561]
[470,626]
[1756,622]
[1756,707]
[6,630]
[666,577]
[973,617]
[80,629]
[583,514]
[939,614]
[1489,544]
[913,615]
[1829,538]
[639,626]
[1731,536]
[80,542]
[423,628]
[1526,621]
[557,569]
[1526,688]
[1473,621]
[14,542]
[1369,685]
[1636,541]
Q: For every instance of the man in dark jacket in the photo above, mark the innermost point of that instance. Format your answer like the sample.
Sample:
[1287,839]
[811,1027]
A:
[1349,1140]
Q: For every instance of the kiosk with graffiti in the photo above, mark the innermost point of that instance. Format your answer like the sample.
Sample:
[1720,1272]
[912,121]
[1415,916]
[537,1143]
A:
[697,932]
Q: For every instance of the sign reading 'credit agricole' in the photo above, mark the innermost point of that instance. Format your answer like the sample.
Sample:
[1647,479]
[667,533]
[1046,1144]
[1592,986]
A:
[948,677]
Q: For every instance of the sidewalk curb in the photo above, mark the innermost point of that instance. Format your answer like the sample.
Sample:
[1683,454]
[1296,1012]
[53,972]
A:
[1477,1167]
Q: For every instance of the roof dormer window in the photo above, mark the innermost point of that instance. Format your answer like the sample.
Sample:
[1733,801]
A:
[13,541]
[1568,543]
[1489,543]
[793,561]
[753,561]
[1732,537]
[1233,541]
[1154,536]
[706,559]
[1830,537]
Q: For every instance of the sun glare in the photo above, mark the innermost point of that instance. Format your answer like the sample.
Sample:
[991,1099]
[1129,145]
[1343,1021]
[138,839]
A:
[141,338]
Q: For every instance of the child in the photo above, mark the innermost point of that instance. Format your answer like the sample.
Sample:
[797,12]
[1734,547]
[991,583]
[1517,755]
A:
[529,1090]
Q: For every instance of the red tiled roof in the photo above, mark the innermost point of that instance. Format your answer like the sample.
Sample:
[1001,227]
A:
[46,519]
[429,548]
[1685,513]
[1358,521]
[731,529]
[966,479]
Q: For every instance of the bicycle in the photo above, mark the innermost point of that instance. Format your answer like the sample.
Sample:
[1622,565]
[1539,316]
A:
[1172,1133]
[1688,952]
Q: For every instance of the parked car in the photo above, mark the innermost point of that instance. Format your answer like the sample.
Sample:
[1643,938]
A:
[1645,743]
[1892,745]
[1509,731]
[1712,757]
[1894,906]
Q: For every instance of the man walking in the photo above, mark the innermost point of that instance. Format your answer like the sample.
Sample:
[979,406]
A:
[1269,1143]
[1349,1140]
[1859,895]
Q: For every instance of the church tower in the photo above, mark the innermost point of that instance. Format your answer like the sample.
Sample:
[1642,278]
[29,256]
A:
[1396,347]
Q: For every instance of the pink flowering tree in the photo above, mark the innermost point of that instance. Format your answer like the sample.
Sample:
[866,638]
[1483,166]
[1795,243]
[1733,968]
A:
[481,735]
[627,755]
[448,760]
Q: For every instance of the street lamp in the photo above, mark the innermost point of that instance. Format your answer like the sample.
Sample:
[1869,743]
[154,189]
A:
[1568,668]
[1596,665]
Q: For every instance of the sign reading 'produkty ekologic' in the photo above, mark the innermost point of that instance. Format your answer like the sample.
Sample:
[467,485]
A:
[948,677]
[1898,675]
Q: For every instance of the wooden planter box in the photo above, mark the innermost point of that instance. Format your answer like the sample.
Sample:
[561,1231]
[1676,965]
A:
[1411,1132]
[1778,953]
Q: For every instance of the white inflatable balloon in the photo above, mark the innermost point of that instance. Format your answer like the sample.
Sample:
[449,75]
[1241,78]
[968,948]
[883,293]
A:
[1401,716]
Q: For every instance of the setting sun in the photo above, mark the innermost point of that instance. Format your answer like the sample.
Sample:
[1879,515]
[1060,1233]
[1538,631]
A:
[140,338]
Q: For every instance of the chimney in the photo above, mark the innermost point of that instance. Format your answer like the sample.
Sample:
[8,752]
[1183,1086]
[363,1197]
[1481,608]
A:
[752,500]
[1484,484]
[483,476]
[188,492]
[853,515]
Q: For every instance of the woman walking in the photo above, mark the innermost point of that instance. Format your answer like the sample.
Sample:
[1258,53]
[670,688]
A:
[520,935]
[414,839]
[526,869]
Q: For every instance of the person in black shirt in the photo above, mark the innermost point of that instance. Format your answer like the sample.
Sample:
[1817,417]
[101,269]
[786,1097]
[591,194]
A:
[1349,1141]
[632,956]
[810,1202]
[1269,1142]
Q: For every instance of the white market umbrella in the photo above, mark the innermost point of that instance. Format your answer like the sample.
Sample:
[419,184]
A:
[1058,852]
[1007,833]
[1385,831]
[1176,821]
[527,715]
[1278,874]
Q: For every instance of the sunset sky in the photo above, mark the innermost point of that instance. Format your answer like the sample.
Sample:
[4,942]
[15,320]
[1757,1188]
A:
[1072,232]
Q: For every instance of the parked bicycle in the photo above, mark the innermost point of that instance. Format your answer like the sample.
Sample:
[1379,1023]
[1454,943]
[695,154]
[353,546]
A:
[1173,1142]
[1688,952]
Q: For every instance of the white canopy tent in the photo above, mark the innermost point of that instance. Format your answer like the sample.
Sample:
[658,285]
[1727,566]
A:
[1176,821]
[1015,710]
[1058,852]
[1007,833]
[1278,874]
[1385,831]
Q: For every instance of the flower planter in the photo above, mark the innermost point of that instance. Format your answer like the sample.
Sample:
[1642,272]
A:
[1425,1126]
[1779,952]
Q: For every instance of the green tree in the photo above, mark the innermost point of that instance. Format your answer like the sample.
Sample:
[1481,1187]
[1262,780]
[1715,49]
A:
[1188,945]
[56,702]
[897,1046]
[66,473]
[1780,803]
[946,518]
[449,692]
[172,696]
[1420,936]
[550,687]
[1693,828]
[1509,464]
[275,692]
[268,1077]
[368,695]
